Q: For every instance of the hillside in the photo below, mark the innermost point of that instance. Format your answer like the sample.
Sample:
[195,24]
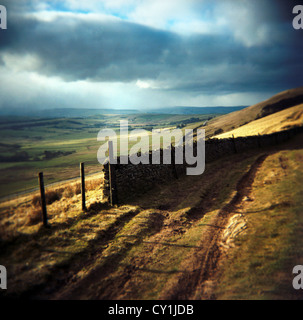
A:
[278,102]
[233,233]
[278,121]
[195,110]
[11,114]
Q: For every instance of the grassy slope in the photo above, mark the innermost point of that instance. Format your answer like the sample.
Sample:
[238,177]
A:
[53,136]
[236,119]
[139,250]
[33,254]
[260,266]
[273,123]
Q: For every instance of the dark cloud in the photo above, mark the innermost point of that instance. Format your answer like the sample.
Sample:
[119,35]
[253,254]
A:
[76,47]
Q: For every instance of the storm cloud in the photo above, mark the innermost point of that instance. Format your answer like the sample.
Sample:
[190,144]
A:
[147,55]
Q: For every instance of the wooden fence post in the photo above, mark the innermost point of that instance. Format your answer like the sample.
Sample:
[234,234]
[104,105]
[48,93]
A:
[43,200]
[173,160]
[82,175]
[112,175]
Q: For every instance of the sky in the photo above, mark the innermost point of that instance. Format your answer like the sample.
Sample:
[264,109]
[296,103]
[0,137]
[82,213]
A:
[139,54]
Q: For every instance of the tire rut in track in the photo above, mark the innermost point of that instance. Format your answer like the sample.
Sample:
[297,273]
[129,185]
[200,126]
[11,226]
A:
[204,261]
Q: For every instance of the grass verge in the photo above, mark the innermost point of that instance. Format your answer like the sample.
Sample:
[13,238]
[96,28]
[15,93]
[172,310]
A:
[260,266]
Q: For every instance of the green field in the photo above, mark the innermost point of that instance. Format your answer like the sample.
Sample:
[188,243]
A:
[57,146]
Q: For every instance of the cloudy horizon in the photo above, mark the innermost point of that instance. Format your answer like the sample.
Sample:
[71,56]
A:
[147,54]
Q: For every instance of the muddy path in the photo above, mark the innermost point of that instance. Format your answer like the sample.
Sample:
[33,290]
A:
[197,282]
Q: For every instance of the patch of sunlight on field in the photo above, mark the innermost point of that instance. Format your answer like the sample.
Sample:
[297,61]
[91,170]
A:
[68,142]
[273,123]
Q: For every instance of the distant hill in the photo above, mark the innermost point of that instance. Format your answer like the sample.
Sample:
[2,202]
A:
[231,121]
[82,112]
[64,112]
[194,110]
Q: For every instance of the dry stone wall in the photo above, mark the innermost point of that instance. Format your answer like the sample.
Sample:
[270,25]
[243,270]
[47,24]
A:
[130,181]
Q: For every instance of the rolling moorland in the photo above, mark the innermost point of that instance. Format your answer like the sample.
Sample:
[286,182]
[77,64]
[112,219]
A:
[234,232]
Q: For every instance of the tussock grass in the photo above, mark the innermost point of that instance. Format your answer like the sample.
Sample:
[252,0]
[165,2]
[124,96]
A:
[23,215]
[50,197]
[33,217]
